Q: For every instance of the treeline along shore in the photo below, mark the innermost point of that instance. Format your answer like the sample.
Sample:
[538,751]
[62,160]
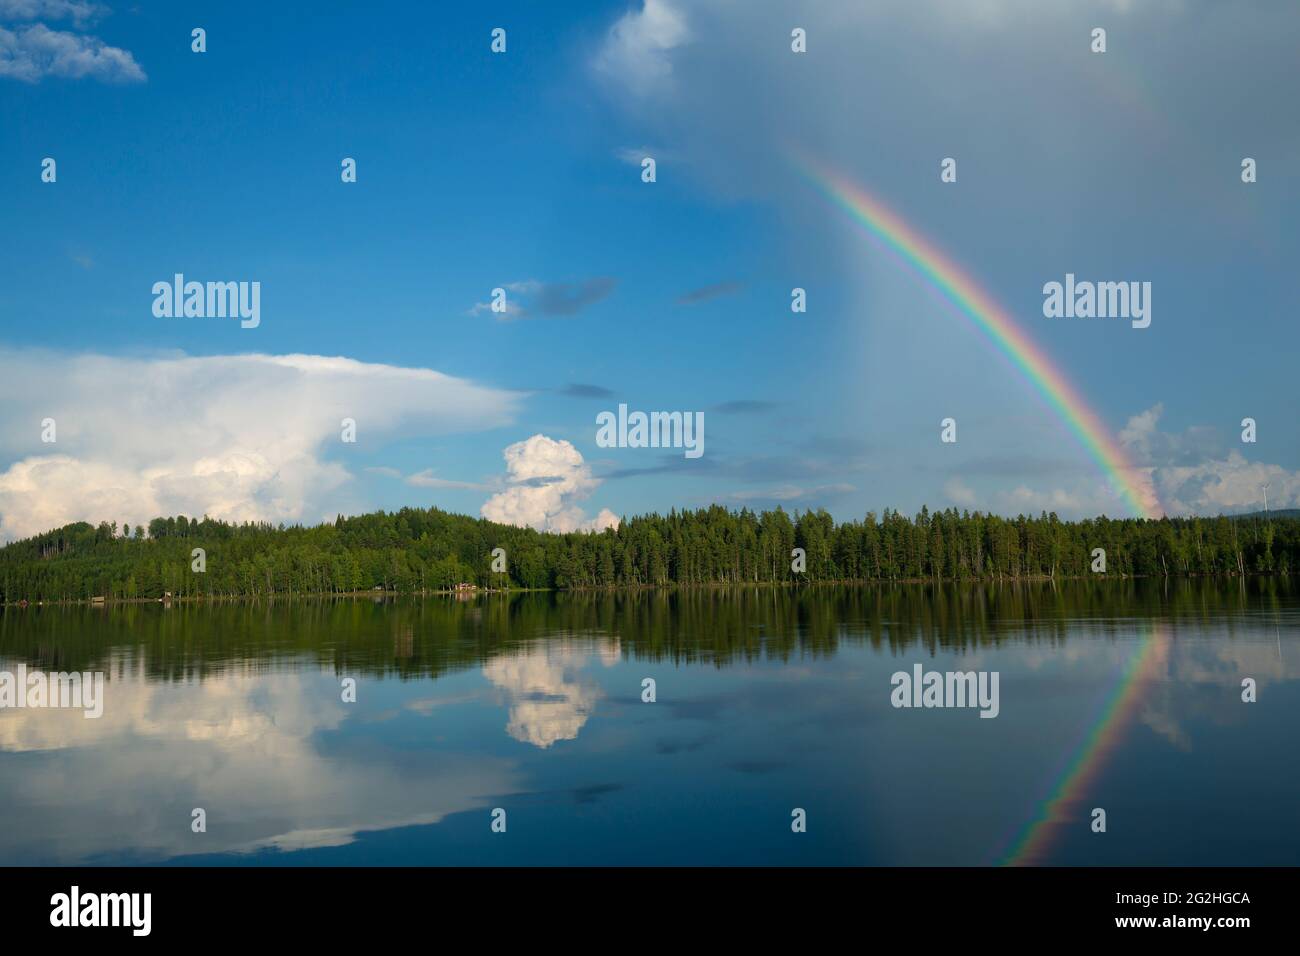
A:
[421,550]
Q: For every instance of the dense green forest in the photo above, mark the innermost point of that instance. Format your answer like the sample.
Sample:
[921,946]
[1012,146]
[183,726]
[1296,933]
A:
[415,549]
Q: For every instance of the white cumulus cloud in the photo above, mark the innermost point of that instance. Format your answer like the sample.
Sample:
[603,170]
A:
[79,11]
[29,53]
[546,478]
[240,437]
[1194,473]
[636,51]
[1227,485]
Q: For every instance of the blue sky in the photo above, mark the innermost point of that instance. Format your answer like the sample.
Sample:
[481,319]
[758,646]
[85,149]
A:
[479,170]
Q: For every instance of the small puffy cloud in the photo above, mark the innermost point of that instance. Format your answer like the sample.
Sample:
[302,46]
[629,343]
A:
[1139,432]
[569,298]
[79,11]
[546,478]
[30,53]
[705,293]
[789,493]
[1025,500]
[636,50]
[530,297]
[635,155]
[1147,445]
[577,390]
[427,479]
[512,309]
[142,437]
[959,493]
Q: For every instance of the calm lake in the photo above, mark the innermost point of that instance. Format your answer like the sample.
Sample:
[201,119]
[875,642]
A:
[1120,695]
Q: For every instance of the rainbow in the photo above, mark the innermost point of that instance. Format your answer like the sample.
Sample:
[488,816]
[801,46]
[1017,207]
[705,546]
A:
[943,275]
[1060,808]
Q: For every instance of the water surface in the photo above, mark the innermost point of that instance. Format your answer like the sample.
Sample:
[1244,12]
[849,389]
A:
[1119,695]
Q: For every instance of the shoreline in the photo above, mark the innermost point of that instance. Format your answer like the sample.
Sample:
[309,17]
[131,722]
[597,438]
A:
[385,595]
